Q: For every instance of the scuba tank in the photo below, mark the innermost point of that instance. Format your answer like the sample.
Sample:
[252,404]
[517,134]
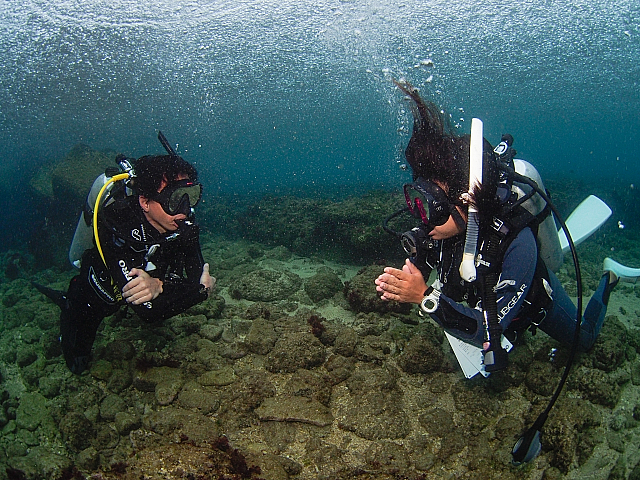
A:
[548,240]
[83,238]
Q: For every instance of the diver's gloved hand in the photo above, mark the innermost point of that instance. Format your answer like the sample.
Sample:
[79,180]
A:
[406,285]
[206,280]
[142,288]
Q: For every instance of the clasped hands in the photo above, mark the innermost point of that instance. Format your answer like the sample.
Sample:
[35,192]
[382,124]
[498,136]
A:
[144,288]
[406,285]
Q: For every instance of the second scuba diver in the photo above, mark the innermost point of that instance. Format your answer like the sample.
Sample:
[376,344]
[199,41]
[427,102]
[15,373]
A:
[524,292]
[150,257]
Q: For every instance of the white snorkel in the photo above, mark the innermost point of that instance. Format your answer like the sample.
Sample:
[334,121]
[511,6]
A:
[468,264]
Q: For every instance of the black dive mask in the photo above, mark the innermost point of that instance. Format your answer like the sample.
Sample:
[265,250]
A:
[179,197]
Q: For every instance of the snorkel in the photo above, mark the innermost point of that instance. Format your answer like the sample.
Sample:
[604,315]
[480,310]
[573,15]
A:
[165,143]
[468,264]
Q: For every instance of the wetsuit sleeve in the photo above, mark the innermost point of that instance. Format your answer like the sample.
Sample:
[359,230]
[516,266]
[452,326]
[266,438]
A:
[518,268]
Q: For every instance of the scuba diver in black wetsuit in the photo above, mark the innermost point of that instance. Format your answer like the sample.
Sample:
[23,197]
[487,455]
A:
[512,288]
[146,255]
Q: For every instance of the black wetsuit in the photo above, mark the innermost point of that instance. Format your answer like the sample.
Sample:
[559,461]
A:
[129,241]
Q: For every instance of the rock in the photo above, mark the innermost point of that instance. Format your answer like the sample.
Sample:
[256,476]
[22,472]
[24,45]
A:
[370,324]
[237,404]
[120,380]
[125,422]
[208,354]
[32,411]
[261,337]
[373,408]
[49,386]
[187,325]
[195,426]
[119,350]
[596,386]
[265,285]
[346,341]
[295,350]
[324,284]
[194,396]
[27,437]
[101,369]
[609,351]
[372,350]
[219,378]
[327,458]
[167,390]
[211,308]
[294,409]
[340,368]
[387,457]
[26,355]
[88,459]
[307,383]
[110,406]
[272,467]
[421,356]
[542,378]
[437,421]
[147,381]
[211,332]
[40,462]
[568,422]
[77,431]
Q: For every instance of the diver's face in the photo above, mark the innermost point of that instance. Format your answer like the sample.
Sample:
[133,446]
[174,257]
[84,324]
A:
[155,214]
[158,218]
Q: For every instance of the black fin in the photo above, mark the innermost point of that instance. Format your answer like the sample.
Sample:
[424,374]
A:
[57,297]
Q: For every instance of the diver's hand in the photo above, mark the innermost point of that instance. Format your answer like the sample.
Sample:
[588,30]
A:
[207,280]
[142,288]
[406,285]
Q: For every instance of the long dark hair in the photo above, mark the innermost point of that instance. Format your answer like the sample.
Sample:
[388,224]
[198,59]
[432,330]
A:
[436,153]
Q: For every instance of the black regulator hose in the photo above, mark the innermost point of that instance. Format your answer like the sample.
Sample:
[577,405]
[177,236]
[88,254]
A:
[391,217]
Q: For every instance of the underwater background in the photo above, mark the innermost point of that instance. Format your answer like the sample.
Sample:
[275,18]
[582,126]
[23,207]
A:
[266,95]
[295,369]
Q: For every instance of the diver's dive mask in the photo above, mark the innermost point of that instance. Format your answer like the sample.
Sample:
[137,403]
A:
[427,202]
[179,197]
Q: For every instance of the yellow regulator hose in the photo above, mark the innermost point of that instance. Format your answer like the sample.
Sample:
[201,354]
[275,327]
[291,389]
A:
[115,178]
